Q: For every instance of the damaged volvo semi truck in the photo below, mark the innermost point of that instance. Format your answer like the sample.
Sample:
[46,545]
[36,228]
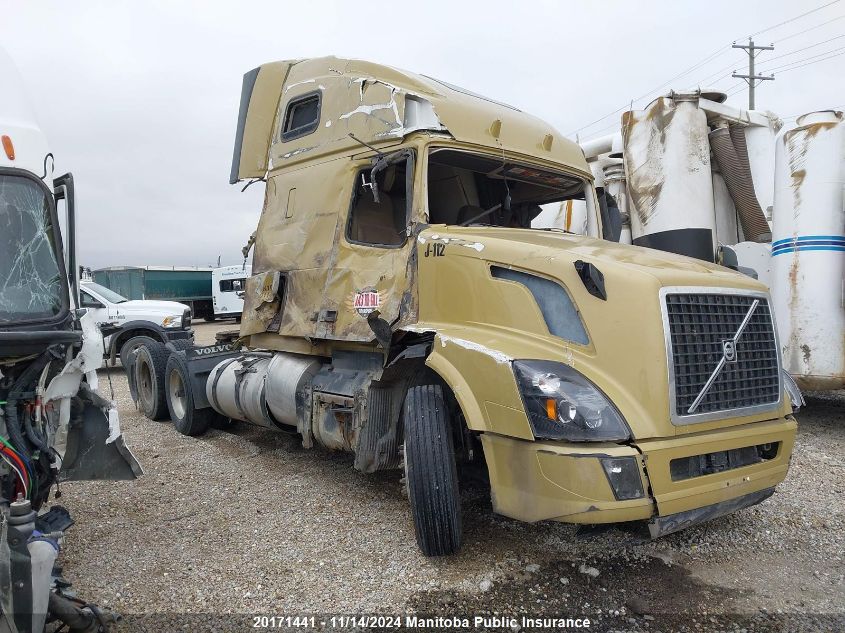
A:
[401,308]
[55,425]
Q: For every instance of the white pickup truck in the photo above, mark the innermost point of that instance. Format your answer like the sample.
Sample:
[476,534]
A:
[163,321]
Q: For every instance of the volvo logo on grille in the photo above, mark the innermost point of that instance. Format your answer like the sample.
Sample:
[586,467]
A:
[728,356]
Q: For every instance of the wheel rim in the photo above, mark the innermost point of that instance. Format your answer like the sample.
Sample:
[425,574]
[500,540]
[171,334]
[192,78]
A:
[176,394]
[145,381]
[130,350]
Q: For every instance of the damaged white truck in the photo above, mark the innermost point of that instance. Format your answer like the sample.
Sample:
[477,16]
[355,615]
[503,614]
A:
[55,425]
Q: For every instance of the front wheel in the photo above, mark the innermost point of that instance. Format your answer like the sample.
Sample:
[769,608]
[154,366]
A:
[430,470]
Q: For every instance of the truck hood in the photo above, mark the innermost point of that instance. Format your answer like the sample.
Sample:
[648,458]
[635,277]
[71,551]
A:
[545,251]
[145,307]
[626,355]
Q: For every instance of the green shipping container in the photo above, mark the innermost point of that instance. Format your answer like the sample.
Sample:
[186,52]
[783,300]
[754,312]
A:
[191,286]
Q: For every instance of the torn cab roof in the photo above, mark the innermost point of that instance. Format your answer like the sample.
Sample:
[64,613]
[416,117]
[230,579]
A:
[298,110]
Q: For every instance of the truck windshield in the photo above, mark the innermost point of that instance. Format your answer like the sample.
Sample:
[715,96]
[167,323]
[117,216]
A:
[106,293]
[31,283]
[471,189]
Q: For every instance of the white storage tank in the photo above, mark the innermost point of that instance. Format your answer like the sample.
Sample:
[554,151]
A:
[667,167]
[760,141]
[808,249]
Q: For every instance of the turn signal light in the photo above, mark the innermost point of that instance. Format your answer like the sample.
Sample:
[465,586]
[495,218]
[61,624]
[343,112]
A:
[8,147]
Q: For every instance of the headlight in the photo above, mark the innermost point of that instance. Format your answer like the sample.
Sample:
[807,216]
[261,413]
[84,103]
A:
[172,321]
[562,404]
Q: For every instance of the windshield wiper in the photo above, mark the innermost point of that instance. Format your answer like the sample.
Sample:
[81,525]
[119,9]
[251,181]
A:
[554,228]
[481,215]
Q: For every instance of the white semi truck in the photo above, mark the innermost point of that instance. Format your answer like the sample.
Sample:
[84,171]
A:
[227,290]
[55,423]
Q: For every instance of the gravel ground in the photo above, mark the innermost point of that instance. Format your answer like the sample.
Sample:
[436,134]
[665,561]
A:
[244,521]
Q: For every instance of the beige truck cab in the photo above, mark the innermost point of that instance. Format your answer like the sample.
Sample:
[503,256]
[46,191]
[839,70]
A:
[402,308]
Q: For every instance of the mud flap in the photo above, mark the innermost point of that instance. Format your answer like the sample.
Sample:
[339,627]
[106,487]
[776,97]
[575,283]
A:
[378,441]
[89,455]
[661,526]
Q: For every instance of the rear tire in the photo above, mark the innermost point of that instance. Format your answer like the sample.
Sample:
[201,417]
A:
[431,472]
[150,364]
[180,399]
[132,344]
[181,344]
[126,350]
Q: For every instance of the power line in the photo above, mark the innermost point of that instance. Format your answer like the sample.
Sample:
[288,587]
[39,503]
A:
[599,132]
[686,72]
[814,62]
[710,78]
[812,28]
[798,61]
[797,17]
[798,50]
[718,52]
[738,87]
[707,59]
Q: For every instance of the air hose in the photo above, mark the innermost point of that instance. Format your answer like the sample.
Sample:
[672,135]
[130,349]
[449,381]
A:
[13,423]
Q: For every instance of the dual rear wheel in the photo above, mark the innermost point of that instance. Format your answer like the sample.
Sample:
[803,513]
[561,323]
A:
[162,386]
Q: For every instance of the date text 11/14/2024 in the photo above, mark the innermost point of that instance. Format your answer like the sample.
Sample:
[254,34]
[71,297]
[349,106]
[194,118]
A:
[470,623]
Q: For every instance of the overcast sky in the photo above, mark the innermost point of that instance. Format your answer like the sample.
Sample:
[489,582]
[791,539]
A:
[139,99]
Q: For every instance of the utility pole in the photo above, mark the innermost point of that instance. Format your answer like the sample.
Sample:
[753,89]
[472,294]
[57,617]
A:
[751,79]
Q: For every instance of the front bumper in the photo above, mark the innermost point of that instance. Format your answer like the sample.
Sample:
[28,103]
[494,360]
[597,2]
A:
[533,481]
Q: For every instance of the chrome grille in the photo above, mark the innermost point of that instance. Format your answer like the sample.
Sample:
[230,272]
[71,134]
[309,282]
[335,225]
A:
[723,354]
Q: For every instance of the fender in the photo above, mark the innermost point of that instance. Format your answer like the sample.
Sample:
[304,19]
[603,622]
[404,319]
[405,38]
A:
[471,375]
[162,334]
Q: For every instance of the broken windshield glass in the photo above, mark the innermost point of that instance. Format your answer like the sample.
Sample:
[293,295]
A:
[31,286]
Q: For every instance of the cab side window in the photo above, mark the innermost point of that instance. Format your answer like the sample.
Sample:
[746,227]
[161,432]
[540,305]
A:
[231,285]
[379,218]
[88,301]
[302,115]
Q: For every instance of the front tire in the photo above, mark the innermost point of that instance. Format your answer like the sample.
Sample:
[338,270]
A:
[431,473]
[180,399]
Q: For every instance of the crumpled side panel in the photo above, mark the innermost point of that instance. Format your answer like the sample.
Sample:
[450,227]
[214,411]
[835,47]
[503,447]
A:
[380,287]
[296,233]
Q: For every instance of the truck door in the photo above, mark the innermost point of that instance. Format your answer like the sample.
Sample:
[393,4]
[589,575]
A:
[99,309]
[369,268]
